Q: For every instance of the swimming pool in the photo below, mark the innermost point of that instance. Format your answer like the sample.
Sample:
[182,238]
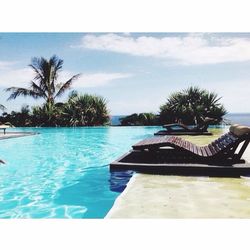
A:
[64,172]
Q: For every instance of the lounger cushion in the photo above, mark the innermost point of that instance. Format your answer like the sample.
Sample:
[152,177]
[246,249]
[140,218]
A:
[231,129]
[239,130]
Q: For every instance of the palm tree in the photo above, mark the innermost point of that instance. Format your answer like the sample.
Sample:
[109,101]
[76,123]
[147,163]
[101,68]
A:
[85,110]
[44,85]
[191,106]
[47,115]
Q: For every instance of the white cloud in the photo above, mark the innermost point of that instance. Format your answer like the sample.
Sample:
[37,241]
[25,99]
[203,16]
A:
[189,49]
[15,77]
[22,77]
[91,80]
[234,93]
[6,64]
[235,98]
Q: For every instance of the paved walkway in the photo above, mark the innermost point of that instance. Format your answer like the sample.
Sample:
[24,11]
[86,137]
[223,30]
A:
[9,135]
[161,196]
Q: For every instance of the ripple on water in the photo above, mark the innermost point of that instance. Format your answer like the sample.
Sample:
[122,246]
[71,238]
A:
[62,172]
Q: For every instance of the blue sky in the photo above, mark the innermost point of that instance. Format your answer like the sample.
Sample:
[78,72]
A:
[135,72]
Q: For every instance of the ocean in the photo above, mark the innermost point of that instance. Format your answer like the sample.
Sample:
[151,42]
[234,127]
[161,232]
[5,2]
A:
[241,118]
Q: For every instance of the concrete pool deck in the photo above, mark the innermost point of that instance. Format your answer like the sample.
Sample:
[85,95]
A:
[162,196]
[9,135]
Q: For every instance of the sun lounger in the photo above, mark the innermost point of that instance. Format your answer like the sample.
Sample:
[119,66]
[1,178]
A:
[3,127]
[174,155]
[182,129]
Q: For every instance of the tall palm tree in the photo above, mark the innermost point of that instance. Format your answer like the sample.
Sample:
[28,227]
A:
[44,85]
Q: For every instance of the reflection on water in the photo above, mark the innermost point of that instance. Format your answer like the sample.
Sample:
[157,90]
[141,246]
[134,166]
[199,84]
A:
[119,179]
[63,172]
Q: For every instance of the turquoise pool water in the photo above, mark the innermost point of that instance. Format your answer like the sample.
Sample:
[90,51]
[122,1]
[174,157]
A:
[64,172]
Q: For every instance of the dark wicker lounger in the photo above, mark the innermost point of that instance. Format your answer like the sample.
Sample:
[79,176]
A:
[176,156]
[181,129]
[176,132]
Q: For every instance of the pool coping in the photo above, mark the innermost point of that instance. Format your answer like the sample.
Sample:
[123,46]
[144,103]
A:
[120,197]
[10,135]
[118,208]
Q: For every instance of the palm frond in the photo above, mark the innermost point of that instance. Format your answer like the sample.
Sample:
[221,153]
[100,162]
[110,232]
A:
[44,83]
[39,65]
[38,75]
[66,85]
[38,89]
[47,73]
[2,107]
[56,64]
[22,92]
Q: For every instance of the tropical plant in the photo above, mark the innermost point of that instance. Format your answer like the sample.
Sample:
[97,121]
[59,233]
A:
[191,106]
[141,119]
[45,83]
[22,118]
[47,115]
[85,110]
[79,110]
